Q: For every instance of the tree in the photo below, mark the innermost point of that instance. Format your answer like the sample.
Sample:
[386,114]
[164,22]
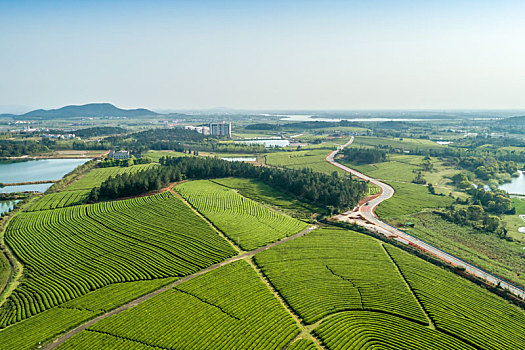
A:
[491,223]
[431,189]
[475,212]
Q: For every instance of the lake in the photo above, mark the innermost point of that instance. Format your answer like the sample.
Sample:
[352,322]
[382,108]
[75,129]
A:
[267,143]
[516,186]
[310,118]
[240,159]
[6,206]
[35,170]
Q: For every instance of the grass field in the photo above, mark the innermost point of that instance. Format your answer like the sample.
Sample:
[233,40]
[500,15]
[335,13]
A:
[70,252]
[514,222]
[96,176]
[228,308]
[485,250]
[312,159]
[404,143]
[156,155]
[410,199]
[243,220]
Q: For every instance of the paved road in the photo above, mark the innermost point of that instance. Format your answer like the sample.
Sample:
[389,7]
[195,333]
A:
[137,301]
[367,212]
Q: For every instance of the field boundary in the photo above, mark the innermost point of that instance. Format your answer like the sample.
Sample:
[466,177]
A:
[304,333]
[63,338]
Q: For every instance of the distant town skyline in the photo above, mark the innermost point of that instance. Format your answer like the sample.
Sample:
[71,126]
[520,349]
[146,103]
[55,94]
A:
[280,55]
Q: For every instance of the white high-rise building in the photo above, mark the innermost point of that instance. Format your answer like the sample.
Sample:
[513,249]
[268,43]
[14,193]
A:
[221,129]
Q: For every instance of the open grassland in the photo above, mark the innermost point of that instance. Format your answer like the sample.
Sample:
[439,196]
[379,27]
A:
[39,329]
[488,251]
[404,168]
[243,220]
[360,293]
[97,176]
[263,193]
[156,155]
[514,222]
[71,251]
[410,199]
[60,200]
[312,159]
[399,143]
[228,308]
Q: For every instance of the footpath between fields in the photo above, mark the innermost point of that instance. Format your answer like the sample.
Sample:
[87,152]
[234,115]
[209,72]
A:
[60,340]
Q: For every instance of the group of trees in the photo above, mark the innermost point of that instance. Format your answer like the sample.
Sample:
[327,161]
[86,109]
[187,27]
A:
[475,216]
[338,193]
[123,162]
[180,140]
[365,155]
[12,148]
[497,202]
[486,168]
[93,131]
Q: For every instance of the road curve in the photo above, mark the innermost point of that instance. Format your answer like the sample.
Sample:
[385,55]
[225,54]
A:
[367,212]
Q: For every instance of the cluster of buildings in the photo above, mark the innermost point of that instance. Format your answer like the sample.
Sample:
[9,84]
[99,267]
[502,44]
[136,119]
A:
[214,129]
[59,136]
[119,155]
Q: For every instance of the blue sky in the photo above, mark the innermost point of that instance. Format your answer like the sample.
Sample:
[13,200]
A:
[263,55]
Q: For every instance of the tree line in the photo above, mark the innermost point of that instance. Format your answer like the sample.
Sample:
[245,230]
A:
[337,193]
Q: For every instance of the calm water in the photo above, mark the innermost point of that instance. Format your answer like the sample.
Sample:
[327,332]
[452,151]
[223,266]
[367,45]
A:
[517,186]
[23,188]
[6,206]
[309,118]
[240,159]
[267,143]
[35,170]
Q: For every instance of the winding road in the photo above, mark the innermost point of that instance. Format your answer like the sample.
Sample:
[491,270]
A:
[364,215]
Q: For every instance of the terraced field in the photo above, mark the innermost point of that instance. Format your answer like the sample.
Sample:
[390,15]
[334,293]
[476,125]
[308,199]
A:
[360,293]
[228,308]
[332,270]
[60,200]
[98,175]
[70,252]
[244,221]
[461,309]
[29,333]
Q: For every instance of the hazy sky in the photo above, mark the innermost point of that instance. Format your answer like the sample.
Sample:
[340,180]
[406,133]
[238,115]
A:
[263,54]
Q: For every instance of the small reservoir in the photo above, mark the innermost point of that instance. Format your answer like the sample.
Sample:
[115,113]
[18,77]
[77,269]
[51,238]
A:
[15,171]
[516,186]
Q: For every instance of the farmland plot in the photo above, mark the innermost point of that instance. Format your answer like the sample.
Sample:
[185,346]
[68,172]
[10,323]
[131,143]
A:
[244,221]
[70,252]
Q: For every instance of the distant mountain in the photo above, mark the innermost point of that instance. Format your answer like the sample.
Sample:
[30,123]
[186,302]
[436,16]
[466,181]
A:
[87,110]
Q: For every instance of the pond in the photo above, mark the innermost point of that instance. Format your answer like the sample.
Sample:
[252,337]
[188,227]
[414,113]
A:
[516,186]
[240,159]
[35,170]
[267,143]
[7,206]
